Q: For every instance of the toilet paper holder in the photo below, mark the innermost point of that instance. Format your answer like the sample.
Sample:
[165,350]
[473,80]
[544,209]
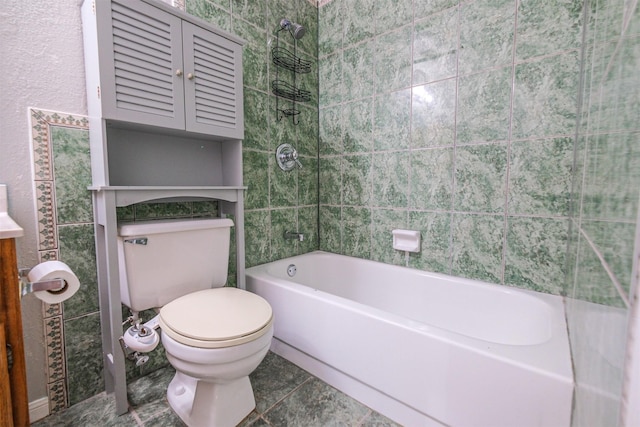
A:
[55,286]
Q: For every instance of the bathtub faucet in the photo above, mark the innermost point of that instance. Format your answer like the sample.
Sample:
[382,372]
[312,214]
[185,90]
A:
[293,235]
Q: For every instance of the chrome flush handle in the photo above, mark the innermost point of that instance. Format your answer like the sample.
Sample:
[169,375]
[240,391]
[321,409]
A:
[137,241]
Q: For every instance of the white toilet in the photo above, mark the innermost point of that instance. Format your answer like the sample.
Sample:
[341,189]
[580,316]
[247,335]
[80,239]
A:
[214,336]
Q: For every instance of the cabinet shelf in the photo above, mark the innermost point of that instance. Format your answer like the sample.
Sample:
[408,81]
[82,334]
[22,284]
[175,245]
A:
[128,195]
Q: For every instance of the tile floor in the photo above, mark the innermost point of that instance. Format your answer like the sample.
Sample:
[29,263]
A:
[285,395]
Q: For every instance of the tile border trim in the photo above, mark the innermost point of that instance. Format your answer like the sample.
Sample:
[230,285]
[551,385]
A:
[40,122]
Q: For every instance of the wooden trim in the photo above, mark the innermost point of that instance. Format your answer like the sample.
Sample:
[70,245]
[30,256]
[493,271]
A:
[11,317]
[6,413]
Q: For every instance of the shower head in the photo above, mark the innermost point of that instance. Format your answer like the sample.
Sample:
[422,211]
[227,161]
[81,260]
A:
[296,30]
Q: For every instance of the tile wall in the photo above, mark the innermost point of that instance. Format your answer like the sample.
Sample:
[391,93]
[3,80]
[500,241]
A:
[275,201]
[605,209]
[456,119]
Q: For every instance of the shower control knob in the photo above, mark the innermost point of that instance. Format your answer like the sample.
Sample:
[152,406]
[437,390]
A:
[291,155]
[287,157]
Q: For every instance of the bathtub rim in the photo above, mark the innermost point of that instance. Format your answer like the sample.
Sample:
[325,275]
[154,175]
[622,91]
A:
[538,358]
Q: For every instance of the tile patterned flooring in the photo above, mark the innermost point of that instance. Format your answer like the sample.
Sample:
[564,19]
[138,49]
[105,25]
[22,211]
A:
[285,395]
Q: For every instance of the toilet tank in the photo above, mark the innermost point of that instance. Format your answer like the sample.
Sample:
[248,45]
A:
[163,260]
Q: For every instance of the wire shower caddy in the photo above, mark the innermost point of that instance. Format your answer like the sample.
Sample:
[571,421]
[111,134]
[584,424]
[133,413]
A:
[283,58]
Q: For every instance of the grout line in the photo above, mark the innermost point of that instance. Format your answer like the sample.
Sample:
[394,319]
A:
[361,421]
[574,280]
[576,137]
[470,73]
[443,211]
[577,221]
[454,151]
[264,420]
[625,24]
[136,417]
[266,411]
[371,153]
[622,293]
[505,227]
[409,189]
[341,151]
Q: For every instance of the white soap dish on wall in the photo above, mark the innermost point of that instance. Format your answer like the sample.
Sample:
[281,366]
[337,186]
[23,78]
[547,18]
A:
[406,240]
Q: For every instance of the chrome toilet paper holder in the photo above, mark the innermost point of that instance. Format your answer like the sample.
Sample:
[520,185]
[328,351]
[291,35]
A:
[55,286]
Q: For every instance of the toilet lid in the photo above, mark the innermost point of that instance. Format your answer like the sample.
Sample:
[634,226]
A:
[205,318]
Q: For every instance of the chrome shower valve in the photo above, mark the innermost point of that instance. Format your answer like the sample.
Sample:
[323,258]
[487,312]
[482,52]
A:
[287,157]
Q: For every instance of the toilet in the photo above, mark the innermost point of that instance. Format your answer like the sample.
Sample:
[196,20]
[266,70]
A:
[214,336]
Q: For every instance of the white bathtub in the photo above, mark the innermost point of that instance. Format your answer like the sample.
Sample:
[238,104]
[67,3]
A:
[424,349]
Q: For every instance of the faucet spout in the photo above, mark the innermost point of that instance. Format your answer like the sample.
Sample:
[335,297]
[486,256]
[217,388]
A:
[293,235]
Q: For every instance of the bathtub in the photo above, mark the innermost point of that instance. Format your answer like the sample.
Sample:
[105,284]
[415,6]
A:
[423,349]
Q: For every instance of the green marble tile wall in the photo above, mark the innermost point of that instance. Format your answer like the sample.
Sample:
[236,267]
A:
[456,119]
[276,201]
[604,211]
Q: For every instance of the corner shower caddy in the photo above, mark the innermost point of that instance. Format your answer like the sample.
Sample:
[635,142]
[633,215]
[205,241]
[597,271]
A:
[166,124]
[285,59]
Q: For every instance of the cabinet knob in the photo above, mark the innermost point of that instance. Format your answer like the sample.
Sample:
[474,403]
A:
[179,72]
[191,76]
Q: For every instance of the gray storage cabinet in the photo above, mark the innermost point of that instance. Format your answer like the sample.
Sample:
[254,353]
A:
[164,93]
[161,70]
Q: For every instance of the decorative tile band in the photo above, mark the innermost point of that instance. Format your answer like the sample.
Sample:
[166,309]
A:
[40,146]
[40,138]
[45,202]
[44,191]
[57,392]
[55,348]
[40,123]
[49,310]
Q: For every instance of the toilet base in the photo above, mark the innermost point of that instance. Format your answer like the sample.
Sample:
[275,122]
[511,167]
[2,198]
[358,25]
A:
[216,404]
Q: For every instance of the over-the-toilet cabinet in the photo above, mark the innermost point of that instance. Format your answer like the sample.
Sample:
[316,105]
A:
[164,92]
[161,70]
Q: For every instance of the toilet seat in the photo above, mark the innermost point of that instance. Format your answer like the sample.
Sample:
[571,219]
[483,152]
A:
[216,318]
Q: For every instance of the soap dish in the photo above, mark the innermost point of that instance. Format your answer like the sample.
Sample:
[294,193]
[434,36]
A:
[406,240]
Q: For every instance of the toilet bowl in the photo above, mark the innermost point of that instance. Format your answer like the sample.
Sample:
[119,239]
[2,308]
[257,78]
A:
[220,394]
[214,336]
[214,339]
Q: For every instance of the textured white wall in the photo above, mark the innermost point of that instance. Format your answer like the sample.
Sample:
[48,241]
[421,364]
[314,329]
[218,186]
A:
[41,65]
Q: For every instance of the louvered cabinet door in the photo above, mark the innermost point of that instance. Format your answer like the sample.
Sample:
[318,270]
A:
[213,83]
[143,79]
